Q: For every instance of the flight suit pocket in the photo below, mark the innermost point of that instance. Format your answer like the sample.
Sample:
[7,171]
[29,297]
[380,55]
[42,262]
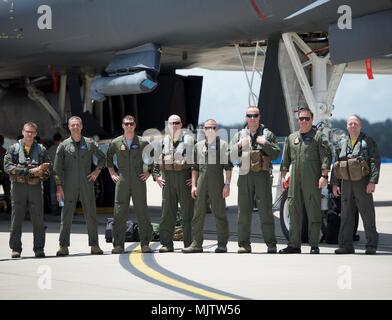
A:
[336,170]
[122,159]
[255,161]
[358,169]
[310,150]
[343,169]
[70,153]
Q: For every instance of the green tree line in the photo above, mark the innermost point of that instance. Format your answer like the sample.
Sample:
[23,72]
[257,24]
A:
[381,132]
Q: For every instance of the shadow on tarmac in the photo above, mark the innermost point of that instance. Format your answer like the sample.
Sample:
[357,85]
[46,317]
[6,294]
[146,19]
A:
[53,227]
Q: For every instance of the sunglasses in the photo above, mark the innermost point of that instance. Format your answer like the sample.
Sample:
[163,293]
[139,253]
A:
[304,118]
[209,128]
[175,123]
[254,115]
[129,124]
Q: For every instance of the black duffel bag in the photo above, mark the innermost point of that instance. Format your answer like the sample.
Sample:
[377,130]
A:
[131,233]
[333,225]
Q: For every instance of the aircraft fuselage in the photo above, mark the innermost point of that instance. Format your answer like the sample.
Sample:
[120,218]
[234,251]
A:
[80,32]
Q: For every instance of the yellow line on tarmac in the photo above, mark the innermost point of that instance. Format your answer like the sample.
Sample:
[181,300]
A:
[136,259]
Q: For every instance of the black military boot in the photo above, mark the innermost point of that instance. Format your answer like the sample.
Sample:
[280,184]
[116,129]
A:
[40,254]
[15,254]
[345,251]
[314,250]
[272,249]
[370,251]
[289,249]
[221,248]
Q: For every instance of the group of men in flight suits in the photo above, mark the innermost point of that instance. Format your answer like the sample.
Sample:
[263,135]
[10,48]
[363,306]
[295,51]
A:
[195,175]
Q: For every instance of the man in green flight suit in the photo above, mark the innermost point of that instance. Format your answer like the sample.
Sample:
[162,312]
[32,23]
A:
[130,182]
[27,164]
[310,158]
[256,146]
[357,186]
[211,158]
[173,174]
[75,181]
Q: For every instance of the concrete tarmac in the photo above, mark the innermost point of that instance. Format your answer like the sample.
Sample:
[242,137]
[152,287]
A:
[207,275]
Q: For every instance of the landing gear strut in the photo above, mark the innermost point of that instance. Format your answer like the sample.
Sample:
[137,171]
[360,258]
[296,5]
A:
[308,78]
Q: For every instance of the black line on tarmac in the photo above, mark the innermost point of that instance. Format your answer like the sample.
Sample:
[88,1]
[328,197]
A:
[150,261]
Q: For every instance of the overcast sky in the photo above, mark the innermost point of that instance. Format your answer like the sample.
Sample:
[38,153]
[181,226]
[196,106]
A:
[225,96]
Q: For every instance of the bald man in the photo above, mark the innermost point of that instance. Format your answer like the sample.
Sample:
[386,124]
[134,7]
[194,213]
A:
[257,146]
[173,175]
[359,153]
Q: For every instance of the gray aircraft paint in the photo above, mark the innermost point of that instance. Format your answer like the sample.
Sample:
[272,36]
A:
[86,34]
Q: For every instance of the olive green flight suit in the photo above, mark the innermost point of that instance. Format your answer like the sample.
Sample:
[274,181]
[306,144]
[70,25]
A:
[25,195]
[210,161]
[257,185]
[72,165]
[354,192]
[308,155]
[130,167]
[175,191]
